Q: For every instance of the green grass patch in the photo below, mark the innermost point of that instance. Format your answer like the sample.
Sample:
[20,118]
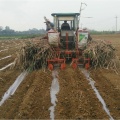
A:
[11,37]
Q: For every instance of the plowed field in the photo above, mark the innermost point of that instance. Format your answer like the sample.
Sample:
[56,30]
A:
[76,98]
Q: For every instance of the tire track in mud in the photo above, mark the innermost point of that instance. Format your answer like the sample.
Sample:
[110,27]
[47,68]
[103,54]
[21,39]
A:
[76,99]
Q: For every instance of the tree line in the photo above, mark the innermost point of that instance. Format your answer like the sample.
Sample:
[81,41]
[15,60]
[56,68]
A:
[8,31]
[95,32]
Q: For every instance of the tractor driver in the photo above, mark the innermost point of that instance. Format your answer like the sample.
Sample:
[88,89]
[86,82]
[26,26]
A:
[65,26]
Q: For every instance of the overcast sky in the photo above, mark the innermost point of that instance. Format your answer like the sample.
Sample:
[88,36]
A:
[25,14]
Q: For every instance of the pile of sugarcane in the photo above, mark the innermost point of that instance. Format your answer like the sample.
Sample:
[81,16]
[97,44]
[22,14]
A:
[34,55]
[102,54]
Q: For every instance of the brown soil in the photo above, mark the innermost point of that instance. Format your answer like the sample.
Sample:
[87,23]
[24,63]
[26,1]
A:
[108,84]
[114,39]
[31,100]
[107,81]
[76,99]
[4,62]
[8,52]
[7,77]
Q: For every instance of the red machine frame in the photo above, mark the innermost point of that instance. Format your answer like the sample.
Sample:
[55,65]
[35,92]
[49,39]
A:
[62,62]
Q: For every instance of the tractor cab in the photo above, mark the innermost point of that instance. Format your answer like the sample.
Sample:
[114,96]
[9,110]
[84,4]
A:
[70,18]
[66,24]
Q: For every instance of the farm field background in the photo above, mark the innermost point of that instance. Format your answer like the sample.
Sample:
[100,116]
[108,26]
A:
[76,98]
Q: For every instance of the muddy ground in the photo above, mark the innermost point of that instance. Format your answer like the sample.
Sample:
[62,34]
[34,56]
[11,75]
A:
[109,87]
[76,99]
[31,100]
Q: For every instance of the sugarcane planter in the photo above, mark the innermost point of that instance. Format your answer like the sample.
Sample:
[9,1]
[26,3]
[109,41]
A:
[68,41]
[67,44]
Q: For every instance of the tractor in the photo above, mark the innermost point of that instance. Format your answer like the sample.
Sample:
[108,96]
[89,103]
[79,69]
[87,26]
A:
[68,41]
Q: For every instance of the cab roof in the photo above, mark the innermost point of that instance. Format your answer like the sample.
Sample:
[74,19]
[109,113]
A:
[65,14]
